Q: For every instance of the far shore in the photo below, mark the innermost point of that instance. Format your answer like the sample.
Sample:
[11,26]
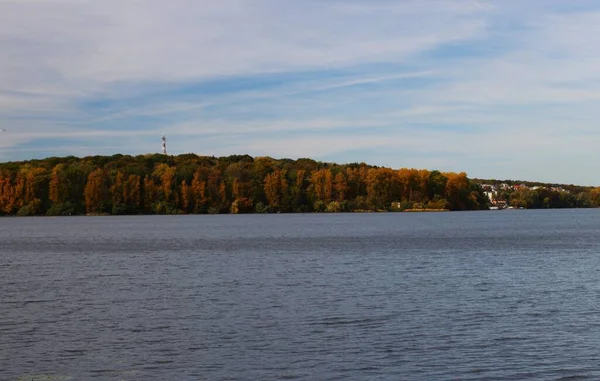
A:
[223,214]
[427,210]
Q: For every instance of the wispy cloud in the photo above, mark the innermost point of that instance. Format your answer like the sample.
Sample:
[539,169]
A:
[496,88]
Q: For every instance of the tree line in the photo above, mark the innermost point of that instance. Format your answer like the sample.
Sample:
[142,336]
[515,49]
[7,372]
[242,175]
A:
[536,195]
[546,198]
[160,184]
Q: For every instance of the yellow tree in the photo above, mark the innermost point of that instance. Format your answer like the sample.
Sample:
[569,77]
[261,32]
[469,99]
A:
[236,189]
[322,184]
[283,189]
[216,192]
[116,190]
[276,188]
[382,187]
[300,189]
[20,188]
[95,192]
[421,182]
[198,191]
[222,195]
[357,181]
[166,174]
[457,190]
[132,192]
[595,196]
[271,188]
[6,193]
[186,196]
[341,186]
[149,192]
[409,180]
[240,189]
[33,177]
[58,189]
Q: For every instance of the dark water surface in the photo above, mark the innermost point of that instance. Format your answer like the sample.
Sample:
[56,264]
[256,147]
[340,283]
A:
[502,295]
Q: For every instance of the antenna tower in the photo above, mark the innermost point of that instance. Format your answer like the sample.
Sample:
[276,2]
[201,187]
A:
[164,145]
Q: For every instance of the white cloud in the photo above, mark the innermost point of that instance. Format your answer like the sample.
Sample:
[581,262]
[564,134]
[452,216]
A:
[88,42]
[524,75]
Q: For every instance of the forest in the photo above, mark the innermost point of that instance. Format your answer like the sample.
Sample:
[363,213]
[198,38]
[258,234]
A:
[192,184]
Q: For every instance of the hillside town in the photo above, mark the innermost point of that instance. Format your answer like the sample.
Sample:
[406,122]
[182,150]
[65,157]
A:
[500,195]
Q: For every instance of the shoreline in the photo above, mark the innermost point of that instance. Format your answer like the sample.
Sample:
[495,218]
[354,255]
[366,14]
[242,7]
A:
[291,213]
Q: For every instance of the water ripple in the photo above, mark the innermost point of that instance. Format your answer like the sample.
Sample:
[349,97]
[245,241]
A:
[469,296]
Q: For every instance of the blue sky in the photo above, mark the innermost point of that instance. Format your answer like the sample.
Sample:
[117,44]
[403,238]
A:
[500,89]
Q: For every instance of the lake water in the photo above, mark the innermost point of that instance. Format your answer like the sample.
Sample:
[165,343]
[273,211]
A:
[499,295]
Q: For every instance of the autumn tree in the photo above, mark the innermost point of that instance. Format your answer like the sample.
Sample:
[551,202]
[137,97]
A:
[276,189]
[96,191]
[186,197]
[382,187]
[198,192]
[216,192]
[595,196]
[132,193]
[299,191]
[322,185]
[166,176]
[34,191]
[59,192]
[7,193]
[457,190]
[116,191]
[149,193]
[59,185]
[340,186]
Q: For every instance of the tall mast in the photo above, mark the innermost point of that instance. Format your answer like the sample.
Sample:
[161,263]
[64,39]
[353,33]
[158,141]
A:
[164,145]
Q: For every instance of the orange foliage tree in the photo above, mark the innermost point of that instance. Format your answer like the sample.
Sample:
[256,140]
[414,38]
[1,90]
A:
[96,191]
